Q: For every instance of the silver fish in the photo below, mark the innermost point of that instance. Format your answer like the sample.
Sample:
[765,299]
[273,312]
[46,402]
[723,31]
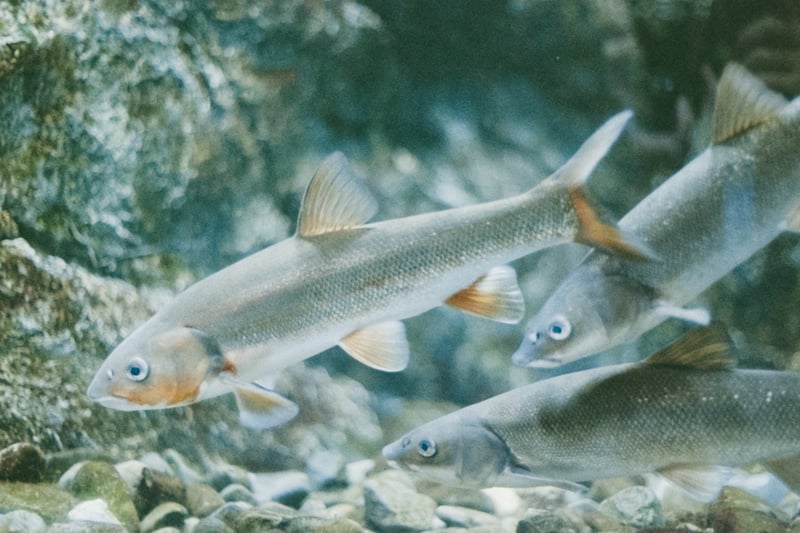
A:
[683,413]
[713,214]
[342,281]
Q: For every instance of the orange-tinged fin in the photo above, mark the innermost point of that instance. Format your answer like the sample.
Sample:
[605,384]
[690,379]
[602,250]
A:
[381,346]
[495,295]
[336,199]
[707,348]
[743,101]
[702,482]
[261,408]
[594,231]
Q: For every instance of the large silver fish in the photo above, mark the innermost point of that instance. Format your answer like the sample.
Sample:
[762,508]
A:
[683,413]
[342,281]
[717,211]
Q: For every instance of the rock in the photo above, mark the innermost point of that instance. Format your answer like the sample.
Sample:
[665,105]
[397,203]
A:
[167,514]
[737,510]
[202,499]
[131,472]
[289,487]
[95,479]
[154,461]
[47,501]
[392,503]
[169,529]
[86,527]
[230,512]
[238,493]
[357,471]
[325,468]
[181,467]
[21,522]
[22,462]
[263,518]
[536,521]
[224,474]
[310,524]
[211,524]
[155,488]
[93,511]
[637,506]
[456,516]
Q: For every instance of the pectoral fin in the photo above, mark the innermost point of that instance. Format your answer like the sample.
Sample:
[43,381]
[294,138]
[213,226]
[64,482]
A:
[495,295]
[336,199]
[518,477]
[381,346]
[697,315]
[261,408]
[706,348]
[701,482]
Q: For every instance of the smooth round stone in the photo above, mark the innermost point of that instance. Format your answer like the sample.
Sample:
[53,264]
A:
[224,474]
[157,487]
[637,506]
[155,462]
[453,515]
[168,514]
[202,499]
[230,512]
[95,479]
[93,511]
[131,473]
[238,493]
[181,467]
[22,522]
[325,468]
[211,524]
[22,462]
[289,487]
[392,503]
[749,513]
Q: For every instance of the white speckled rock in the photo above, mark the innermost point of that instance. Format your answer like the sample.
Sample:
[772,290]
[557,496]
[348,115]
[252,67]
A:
[22,522]
[637,506]
[93,511]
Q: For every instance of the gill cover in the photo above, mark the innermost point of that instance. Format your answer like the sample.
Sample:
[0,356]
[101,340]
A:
[148,371]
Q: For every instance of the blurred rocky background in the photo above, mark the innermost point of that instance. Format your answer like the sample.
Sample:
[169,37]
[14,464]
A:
[145,144]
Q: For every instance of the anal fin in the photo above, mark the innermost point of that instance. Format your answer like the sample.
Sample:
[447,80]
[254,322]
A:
[261,408]
[495,295]
[381,346]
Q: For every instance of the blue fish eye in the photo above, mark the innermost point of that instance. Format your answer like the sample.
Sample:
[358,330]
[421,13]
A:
[137,369]
[559,329]
[426,448]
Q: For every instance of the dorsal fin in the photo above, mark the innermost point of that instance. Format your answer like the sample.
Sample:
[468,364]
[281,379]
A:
[705,348]
[743,101]
[336,199]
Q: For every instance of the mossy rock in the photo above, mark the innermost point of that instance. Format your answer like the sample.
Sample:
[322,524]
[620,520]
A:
[48,501]
[101,480]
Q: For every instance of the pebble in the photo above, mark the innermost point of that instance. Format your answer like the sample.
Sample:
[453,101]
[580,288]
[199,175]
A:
[357,471]
[22,521]
[95,479]
[93,511]
[22,462]
[202,499]
[224,474]
[181,468]
[289,487]
[326,468]
[737,510]
[131,473]
[238,493]
[155,488]
[168,514]
[154,461]
[637,506]
[453,515]
[392,503]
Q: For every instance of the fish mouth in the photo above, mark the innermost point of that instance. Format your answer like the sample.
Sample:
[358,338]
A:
[544,363]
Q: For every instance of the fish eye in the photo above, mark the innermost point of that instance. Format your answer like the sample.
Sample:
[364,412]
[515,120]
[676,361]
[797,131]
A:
[137,369]
[559,329]
[426,448]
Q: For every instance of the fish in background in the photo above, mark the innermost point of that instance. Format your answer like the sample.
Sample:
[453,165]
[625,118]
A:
[713,214]
[341,281]
[683,412]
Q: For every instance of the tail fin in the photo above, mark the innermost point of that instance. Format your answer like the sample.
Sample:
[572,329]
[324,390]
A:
[592,229]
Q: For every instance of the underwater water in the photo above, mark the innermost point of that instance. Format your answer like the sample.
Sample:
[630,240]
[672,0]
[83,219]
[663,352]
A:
[146,145]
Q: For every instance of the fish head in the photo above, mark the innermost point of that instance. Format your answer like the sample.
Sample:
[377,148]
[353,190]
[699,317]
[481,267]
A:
[156,368]
[452,452]
[585,315]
